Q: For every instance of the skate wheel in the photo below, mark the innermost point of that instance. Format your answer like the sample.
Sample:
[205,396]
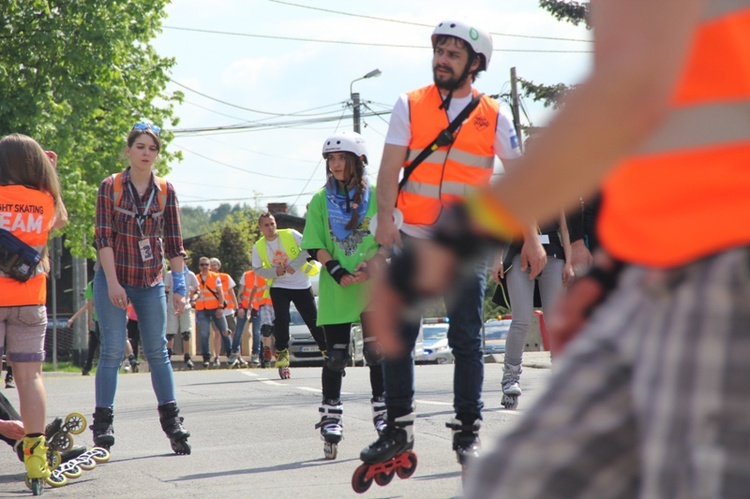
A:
[330,450]
[360,482]
[63,442]
[57,479]
[87,464]
[404,472]
[509,402]
[76,423]
[36,485]
[385,478]
[100,454]
[181,447]
[54,458]
[73,471]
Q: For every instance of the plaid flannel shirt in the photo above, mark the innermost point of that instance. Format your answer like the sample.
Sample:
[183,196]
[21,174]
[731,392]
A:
[120,231]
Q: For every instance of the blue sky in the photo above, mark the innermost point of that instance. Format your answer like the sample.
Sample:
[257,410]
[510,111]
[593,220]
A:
[262,79]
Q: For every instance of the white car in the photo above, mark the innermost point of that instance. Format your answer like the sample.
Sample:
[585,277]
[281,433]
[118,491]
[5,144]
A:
[436,347]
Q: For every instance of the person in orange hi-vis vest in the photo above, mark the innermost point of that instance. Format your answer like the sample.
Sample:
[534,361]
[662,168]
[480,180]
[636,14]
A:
[256,308]
[209,303]
[651,397]
[30,207]
[224,338]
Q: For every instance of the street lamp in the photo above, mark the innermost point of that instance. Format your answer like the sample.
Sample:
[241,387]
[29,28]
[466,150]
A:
[355,97]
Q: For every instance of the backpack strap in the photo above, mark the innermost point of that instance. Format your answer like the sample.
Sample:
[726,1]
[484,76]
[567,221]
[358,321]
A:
[161,195]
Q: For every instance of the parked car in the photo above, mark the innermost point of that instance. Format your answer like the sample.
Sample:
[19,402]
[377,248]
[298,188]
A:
[304,350]
[495,333]
[436,347]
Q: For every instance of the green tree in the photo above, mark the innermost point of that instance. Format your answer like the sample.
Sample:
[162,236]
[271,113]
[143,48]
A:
[76,76]
[194,220]
[563,10]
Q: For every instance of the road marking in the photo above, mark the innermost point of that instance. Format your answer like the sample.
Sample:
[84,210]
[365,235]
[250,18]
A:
[262,380]
[430,402]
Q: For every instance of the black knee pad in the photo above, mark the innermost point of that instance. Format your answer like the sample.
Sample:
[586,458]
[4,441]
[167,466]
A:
[185,335]
[266,330]
[337,360]
[372,352]
[170,336]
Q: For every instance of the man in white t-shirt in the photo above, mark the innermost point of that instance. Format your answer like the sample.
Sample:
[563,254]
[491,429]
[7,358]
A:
[180,324]
[278,258]
[444,177]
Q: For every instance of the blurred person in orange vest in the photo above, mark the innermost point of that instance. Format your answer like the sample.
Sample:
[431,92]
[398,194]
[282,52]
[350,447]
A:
[181,324]
[209,307]
[31,206]
[253,304]
[651,397]
[228,285]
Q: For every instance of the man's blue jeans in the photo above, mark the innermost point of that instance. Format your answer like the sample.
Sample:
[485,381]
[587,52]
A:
[237,338]
[151,306]
[203,319]
[464,307]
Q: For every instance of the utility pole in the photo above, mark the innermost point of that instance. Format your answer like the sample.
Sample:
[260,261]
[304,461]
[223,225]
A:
[355,111]
[515,105]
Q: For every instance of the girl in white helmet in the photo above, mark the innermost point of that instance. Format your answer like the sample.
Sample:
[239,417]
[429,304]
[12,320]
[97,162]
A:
[337,234]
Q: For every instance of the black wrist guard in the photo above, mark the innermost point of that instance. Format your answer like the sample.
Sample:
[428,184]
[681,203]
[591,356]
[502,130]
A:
[336,270]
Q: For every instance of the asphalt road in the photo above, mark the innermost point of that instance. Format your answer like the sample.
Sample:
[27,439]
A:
[253,435]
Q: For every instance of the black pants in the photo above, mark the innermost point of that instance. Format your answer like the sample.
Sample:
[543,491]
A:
[93,345]
[339,336]
[8,413]
[134,335]
[304,301]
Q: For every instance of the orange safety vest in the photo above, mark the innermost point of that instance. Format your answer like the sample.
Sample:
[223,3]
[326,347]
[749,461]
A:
[208,293]
[451,172]
[251,281]
[27,214]
[686,193]
[228,295]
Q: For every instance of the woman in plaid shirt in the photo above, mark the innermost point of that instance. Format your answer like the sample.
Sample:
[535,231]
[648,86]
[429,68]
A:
[137,226]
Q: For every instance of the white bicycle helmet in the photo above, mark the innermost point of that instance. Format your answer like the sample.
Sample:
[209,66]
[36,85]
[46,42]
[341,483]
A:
[346,142]
[479,39]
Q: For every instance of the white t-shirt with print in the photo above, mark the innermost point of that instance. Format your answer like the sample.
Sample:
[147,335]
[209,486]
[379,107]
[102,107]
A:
[298,280]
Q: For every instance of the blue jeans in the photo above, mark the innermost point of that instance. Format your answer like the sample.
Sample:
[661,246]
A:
[237,338]
[203,319]
[464,337]
[151,306]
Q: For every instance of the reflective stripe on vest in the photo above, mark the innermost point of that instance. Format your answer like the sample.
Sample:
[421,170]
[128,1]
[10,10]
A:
[450,173]
[207,299]
[681,195]
[27,214]
[228,296]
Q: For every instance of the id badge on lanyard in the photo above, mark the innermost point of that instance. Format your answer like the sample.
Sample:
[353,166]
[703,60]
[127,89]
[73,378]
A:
[144,244]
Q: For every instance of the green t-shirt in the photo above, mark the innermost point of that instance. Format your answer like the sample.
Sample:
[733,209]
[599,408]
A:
[337,305]
[89,295]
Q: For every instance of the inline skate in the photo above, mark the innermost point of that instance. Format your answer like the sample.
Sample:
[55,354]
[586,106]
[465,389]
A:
[189,362]
[391,454]
[35,460]
[282,362]
[466,442]
[171,423]
[59,436]
[331,426]
[104,432]
[76,466]
[511,386]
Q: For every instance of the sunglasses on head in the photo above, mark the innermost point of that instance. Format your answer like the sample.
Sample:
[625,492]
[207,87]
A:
[146,126]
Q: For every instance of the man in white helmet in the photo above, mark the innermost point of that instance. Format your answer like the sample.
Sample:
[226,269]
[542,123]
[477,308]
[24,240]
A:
[446,176]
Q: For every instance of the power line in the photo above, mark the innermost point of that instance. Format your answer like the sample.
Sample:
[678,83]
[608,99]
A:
[363,44]
[236,167]
[412,23]
[280,196]
[254,110]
